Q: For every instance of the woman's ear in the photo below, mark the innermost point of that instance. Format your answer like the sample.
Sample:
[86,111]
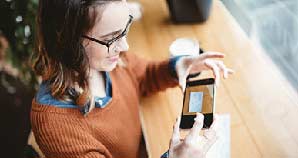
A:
[85,43]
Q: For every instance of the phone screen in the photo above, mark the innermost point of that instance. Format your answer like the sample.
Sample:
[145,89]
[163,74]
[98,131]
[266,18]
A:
[198,97]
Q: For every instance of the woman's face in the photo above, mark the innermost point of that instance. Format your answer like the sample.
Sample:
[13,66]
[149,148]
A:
[111,24]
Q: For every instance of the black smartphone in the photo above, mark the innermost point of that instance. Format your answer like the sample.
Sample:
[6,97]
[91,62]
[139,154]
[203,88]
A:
[199,96]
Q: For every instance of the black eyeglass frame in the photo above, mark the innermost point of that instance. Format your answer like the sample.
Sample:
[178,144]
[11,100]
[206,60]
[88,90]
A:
[110,42]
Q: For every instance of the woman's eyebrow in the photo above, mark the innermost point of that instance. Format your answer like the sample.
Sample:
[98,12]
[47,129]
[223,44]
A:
[112,33]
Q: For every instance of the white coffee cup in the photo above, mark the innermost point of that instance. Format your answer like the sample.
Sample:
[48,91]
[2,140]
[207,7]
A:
[184,46]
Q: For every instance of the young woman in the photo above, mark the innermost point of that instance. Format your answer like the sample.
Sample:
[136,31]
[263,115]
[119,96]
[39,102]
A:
[87,104]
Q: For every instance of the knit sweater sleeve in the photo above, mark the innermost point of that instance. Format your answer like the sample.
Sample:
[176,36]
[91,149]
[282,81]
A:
[58,136]
[151,76]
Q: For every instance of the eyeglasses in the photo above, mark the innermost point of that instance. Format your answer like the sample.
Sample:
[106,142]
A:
[110,42]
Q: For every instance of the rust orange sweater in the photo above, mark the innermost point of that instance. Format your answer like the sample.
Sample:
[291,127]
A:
[110,132]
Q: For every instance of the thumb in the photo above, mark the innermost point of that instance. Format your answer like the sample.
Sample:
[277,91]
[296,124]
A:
[182,77]
[182,84]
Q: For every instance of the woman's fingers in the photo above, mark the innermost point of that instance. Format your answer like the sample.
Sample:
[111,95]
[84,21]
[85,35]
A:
[183,67]
[189,147]
[210,134]
[182,77]
[212,65]
[217,67]
[176,134]
[210,54]
[226,71]
[197,126]
[215,121]
[230,71]
[223,68]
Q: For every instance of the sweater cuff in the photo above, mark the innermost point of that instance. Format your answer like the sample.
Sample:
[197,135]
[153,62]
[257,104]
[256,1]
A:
[165,155]
[172,65]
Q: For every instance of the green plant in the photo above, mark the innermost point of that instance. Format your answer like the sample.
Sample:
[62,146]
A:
[17,24]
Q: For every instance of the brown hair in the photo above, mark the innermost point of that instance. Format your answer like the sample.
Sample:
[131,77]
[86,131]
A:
[60,57]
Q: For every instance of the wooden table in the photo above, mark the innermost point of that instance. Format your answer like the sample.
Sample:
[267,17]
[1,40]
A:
[262,103]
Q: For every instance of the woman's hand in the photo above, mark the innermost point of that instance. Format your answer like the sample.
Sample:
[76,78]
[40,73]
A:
[194,64]
[194,145]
